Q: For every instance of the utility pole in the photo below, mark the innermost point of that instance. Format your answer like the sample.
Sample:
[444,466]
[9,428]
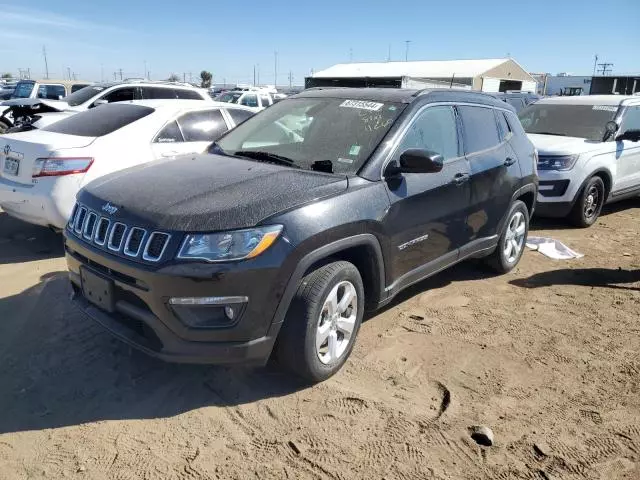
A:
[69,72]
[258,74]
[184,77]
[406,50]
[120,71]
[254,75]
[102,72]
[389,54]
[275,69]
[290,79]
[115,75]
[605,68]
[595,62]
[46,64]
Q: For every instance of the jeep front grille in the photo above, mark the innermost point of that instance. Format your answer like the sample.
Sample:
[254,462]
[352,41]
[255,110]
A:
[117,237]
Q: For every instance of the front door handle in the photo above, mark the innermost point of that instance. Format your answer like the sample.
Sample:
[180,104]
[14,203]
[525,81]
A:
[460,178]
[509,161]
[170,154]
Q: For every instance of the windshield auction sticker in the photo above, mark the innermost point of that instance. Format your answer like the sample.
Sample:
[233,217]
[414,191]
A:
[362,104]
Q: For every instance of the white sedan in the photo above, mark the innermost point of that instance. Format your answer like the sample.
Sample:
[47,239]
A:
[42,170]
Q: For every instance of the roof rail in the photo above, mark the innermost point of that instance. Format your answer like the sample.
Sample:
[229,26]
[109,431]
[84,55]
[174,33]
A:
[157,82]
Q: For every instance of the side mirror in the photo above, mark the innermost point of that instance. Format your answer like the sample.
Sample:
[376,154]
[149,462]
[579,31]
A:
[609,129]
[100,102]
[632,135]
[416,160]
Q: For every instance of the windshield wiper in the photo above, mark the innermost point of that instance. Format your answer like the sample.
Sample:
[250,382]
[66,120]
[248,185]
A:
[551,133]
[266,156]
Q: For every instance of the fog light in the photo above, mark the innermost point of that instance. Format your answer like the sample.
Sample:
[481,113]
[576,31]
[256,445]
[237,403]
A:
[208,312]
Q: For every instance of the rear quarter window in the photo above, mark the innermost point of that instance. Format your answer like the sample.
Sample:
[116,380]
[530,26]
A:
[188,95]
[100,121]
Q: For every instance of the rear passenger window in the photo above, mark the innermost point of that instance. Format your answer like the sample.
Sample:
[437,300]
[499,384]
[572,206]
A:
[170,134]
[436,130]
[480,130]
[503,126]
[158,93]
[238,115]
[188,95]
[51,92]
[205,126]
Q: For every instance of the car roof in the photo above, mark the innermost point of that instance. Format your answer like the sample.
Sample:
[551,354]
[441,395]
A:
[613,100]
[402,95]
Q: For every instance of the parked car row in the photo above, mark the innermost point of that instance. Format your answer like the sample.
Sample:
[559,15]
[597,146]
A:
[271,240]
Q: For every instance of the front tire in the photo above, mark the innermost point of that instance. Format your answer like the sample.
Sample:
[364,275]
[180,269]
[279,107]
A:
[322,322]
[589,203]
[512,241]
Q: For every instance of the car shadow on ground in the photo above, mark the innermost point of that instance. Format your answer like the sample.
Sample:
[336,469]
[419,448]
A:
[588,277]
[543,223]
[61,369]
[23,242]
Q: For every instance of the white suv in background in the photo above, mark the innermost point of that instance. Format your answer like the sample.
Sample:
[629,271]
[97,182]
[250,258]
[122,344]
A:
[50,111]
[252,98]
[589,153]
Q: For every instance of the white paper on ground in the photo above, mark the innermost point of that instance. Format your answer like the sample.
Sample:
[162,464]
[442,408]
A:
[552,248]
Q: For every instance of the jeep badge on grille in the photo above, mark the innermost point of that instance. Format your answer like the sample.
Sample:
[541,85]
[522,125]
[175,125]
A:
[110,209]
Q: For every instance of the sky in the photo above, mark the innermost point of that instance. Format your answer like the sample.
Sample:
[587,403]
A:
[94,39]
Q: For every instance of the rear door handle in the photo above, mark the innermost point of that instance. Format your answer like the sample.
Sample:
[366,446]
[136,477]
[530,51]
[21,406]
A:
[460,178]
[509,161]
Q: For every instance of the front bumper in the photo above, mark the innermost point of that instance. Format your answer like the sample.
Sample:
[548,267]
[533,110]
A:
[556,193]
[48,202]
[143,318]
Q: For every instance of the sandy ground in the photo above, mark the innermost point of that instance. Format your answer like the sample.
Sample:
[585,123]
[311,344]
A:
[547,356]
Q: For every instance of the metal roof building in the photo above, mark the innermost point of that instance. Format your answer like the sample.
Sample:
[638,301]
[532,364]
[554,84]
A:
[488,75]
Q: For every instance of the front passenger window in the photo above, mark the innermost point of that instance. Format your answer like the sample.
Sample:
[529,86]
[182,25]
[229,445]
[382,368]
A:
[631,119]
[436,130]
[120,95]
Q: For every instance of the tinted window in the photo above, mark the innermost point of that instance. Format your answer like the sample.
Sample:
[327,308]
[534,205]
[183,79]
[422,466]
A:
[265,101]
[84,94]
[503,126]
[516,103]
[631,119]
[204,126]
[514,124]
[170,134]
[480,131]
[435,129]
[100,121]
[188,95]
[229,97]
[51,92]
[567,120]
[249,100]
[158,93]
[120,95]
[238,115]
[77,86]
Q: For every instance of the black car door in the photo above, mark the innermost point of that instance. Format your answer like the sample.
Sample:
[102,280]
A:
[495,172]
[426,218]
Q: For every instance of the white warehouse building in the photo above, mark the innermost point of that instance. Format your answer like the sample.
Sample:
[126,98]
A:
[488,75]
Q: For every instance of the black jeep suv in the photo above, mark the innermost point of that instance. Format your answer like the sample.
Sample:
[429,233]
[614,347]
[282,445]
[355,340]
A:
[322,206]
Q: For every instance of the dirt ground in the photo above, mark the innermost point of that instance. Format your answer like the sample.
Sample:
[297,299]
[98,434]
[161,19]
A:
[547,356]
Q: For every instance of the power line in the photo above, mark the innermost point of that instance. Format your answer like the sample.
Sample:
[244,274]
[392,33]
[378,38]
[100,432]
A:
[605,68]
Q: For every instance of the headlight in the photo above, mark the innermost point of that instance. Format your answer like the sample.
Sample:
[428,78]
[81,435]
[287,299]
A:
[559,162]
[229,246]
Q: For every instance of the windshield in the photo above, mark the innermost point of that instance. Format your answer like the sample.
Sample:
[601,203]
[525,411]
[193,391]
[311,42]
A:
[582,121]
[327,134]
[23,90]
[229,97]
[83,95]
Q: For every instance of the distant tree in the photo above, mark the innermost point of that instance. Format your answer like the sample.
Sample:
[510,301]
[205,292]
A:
[7,76]
[173,78]
[206,79]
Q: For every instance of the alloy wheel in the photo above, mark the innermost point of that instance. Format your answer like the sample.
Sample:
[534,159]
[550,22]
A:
[337,322]
[515,237]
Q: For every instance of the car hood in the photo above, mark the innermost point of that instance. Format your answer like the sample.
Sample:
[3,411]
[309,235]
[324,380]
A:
[557,145]
[206,192]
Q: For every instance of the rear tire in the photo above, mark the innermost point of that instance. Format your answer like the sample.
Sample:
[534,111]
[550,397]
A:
[511,243]
[588,204]
[322,322]
[4,127]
